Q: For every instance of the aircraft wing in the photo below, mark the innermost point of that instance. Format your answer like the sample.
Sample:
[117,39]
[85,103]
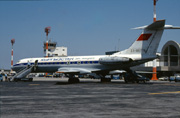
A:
[116,72]
[76,70]
[145,72]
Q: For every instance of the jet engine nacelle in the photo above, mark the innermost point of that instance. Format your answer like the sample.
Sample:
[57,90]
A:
[114,60]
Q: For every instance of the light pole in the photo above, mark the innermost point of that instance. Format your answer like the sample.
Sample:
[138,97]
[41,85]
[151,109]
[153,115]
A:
[47,30]
[12,42]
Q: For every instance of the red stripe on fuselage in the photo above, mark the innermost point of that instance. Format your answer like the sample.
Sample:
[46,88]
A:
[144,37]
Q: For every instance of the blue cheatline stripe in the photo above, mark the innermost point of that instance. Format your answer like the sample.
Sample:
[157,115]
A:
[55,63]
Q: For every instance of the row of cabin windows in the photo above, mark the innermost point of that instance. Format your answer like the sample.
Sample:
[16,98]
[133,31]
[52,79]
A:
[75,62]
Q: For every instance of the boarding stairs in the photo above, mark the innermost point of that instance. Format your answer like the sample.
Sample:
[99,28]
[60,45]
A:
[24,72]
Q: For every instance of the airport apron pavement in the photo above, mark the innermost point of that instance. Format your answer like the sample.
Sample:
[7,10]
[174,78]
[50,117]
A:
[89,99]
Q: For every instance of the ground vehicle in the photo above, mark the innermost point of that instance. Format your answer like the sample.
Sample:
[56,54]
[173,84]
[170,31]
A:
[177,78]
[142,78]
[1,77]
[137,77]
[164,78]
[23,79]
[172,78]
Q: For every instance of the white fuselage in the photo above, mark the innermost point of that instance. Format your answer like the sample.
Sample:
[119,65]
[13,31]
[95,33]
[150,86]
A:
[90,63]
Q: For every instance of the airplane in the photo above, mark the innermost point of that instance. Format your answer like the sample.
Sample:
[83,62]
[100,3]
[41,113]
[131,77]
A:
[142,50]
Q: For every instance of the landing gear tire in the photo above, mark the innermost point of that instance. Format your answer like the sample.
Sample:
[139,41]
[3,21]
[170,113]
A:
[16,79]
[30,79]
[144,81]
[137,81]
[73,80]
[126,81]
[105,79]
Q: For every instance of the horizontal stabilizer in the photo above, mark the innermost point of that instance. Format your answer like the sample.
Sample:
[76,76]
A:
[158,25]
[171,27]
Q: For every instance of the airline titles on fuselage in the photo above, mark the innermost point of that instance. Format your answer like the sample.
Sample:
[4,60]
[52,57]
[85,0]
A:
[66,59]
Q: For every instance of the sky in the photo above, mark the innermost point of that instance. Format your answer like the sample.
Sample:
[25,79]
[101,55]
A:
[85,27]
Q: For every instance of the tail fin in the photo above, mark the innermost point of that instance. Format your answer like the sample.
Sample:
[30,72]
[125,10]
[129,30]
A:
[148,41]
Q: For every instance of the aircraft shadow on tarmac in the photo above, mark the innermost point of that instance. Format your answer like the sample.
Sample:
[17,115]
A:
[84,82]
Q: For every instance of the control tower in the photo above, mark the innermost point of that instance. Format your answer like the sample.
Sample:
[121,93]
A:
[54,51]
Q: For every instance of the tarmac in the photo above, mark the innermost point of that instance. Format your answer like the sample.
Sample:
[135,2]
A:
[55,98]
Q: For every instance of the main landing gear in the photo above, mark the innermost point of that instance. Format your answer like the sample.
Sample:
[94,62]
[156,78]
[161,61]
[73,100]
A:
[105,79]
[73,79]
[131,76]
